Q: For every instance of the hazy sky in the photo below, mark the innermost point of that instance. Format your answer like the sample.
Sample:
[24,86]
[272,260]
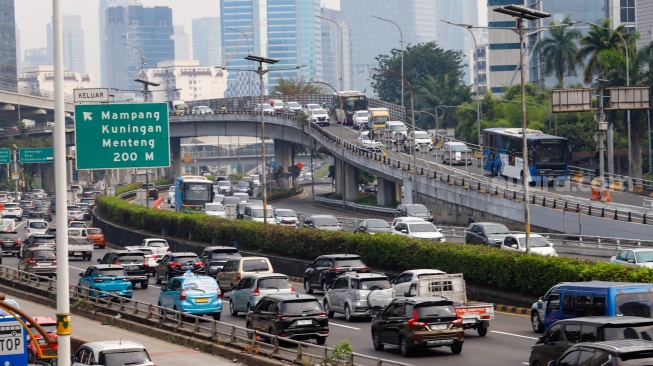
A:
[32,23]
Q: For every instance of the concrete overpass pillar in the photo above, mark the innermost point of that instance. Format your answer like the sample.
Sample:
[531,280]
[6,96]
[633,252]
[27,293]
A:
[386,192]
[283,158]
[351,183]
[175,157]
[47,177]
[407,192]
[337,163]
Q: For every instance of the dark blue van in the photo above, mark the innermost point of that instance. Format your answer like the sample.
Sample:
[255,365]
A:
[594,298]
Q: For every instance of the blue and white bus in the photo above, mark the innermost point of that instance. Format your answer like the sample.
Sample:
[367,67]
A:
[191,193]
[548,155]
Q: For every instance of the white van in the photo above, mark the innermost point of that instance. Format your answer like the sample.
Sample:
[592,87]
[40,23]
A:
[255,213]
[35,227]
[395,131]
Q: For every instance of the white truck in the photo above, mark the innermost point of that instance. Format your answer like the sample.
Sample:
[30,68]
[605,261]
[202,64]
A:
[79,245]
[29,123]
[475,315]
[71,197]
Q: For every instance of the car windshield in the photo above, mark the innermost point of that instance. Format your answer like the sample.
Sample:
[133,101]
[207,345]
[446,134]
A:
[224,183]
[536,242]
[277,283]
[42,208]
[422,135]
[325,221]
[93,231]
[293,105]
[370,284]
[300,307]
[365,136]
[88,201]
[38,225]
[133,257]
[417,209]
[423,227]
[433,310]
[319,111]
[457,147]
[267,106]
[644,332]
[363,114]
[205,285]
[214,207]
[258,213]
[378,224]
[349,262]
[255,265]
[112,272]
[243,184]
[397,128]
[157,244]
[634,304]
[43,255]
[286,213]
[124,358]
[496,229]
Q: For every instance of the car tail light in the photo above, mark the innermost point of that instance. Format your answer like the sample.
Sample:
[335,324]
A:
[182,296]
[366,268]
[335,269]
[256,292]
[321,314]
[199,264]
[147,266]
[458,321]
[98,280]
[54,261]
[175,264]
[126,279]
[167,250]
[292,290]
[414,322]
[116,261]
[219,293]
[18,241]
[238,276]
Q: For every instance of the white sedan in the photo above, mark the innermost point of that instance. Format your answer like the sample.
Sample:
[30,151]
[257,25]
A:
[539,244]
[638,257]
[419,230]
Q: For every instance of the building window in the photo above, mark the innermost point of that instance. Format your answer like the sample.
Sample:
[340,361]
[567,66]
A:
[504,46]
[504,2]
[506,24]
[498,89]
[628,11]
[361,68]
[503,68]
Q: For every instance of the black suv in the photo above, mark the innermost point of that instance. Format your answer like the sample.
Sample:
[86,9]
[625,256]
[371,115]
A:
[626,352]
[176,264]
[298,317]
[153,190]
[10,242]
[214,258]
[563,334]
[414,210]
[418,322]
[326,268]
[132,261]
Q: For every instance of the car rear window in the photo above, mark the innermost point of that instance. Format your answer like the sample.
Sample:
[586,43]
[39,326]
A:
[124,358]
[217,252]
[205,285]
[255,265]
[276,283]
[370,284]
[132,257]
[349,262]
[49,328]
[43,255]
[94,231]
[434,310]
[158,244]
[300,306]
[185,259]
[38,240]
[38,225]
[110,272]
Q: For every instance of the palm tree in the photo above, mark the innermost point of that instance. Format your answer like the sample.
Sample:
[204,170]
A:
[597,40]
[295,86]
[558,51]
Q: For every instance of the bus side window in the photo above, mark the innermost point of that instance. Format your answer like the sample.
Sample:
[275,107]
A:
[552,312]
[568,305]
[598,306]
[583,305]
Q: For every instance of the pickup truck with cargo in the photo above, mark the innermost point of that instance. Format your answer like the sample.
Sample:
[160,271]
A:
[155,246]
[79,245]
[475,315]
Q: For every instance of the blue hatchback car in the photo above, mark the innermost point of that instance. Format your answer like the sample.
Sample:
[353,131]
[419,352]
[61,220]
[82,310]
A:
[192,294]
[108,278]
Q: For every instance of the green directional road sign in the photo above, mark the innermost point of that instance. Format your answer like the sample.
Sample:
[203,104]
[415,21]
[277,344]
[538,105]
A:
[111,136]
[35,155]
[5,156]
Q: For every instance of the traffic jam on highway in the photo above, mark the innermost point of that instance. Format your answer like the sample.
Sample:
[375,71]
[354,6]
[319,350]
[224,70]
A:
[339,296]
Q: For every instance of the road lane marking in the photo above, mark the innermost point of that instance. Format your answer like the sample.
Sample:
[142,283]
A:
[515,335]
[19,225]
[507,313]
[81,269]
[344,326]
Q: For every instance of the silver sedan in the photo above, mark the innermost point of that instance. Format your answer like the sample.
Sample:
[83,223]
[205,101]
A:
[638,257]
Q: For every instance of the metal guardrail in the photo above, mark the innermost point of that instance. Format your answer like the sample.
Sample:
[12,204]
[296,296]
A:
[203,328]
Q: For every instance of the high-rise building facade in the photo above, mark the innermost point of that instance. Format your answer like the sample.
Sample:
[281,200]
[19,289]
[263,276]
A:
[186,80]
[335,57]
[8,64]
[182,43]
[137,38]
[102,8]
[286,30]
[34,57]
[644,19]
[207,41]
[73,43]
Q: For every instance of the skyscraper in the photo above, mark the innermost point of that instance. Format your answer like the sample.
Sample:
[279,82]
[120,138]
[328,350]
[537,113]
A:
[331,49]
[286,30]
[8,65]
[136,37]
[207,41]
[182,43]
[73,43]
[102,8]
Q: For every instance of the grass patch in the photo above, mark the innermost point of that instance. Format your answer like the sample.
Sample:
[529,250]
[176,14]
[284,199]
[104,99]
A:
[323,171]
[366,199]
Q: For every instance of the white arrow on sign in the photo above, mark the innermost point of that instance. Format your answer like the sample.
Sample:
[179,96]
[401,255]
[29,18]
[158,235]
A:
[88,116]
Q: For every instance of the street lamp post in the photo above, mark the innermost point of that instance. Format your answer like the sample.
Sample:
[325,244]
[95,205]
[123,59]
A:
[630,153]
[342,57]
[401,35]
[249,75]
[522,13]
[412,112]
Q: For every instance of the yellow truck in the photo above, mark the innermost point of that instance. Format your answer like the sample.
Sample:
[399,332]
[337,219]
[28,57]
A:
[377,119]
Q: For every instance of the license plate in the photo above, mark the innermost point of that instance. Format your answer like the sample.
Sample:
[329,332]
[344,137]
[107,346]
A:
[469,321]
[304,322]
[439,327]
[202,300]
[77,253]
[114,292]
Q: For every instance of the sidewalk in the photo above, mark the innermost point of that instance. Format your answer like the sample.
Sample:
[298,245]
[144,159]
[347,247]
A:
[162,352]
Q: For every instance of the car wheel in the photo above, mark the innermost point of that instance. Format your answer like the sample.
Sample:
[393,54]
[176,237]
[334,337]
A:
[536,363]
[404,347]
[348,316]
[272,333]
[232,309]
[30,357]
[327,309]
[376,342]
[307,287]
[324,287]
[482,330]
[457,347]
[250,334]
[536,322]
[144,284]
[320,340]
[216,316]
[157,279]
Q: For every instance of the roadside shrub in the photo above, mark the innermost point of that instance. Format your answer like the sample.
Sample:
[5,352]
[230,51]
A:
[284,193]
[529,274]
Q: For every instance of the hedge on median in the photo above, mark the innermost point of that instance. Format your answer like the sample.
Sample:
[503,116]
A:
[528,274]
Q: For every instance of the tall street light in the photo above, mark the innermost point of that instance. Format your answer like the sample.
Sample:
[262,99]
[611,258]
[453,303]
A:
[478,100]
[342,55]
[401,35]
[342,141]
[521,13]
[249,76]
[630,154]
[412,112]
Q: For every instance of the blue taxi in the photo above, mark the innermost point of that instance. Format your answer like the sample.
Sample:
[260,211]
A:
[105,279]
[192,294]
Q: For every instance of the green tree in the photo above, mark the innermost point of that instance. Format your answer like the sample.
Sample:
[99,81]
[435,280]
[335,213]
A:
[435,75]
[558,51]
[294,86]
[596,41]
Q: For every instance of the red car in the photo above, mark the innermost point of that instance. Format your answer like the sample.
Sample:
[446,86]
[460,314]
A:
[49,324]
